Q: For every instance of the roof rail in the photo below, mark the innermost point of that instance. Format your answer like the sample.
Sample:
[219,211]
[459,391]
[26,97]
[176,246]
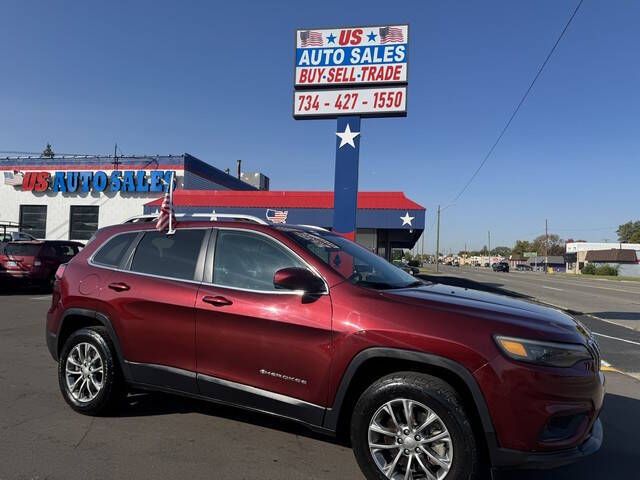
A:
[203,217]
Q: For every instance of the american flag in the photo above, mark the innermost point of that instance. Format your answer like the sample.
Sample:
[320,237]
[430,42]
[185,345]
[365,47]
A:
[309,38]
[13,178]
[391,34]
[166,212]
[277,216]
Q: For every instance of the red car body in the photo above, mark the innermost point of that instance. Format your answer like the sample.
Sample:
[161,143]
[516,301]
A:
[35,261]
[306,360]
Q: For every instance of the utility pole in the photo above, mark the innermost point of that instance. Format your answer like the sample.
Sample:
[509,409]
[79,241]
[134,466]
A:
[546,246]
[438,241]
[489,235]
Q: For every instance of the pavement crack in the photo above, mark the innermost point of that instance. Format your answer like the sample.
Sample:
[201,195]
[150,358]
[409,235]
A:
[86,432]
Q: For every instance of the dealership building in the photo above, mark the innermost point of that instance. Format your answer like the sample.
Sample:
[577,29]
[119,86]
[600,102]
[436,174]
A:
[69,198]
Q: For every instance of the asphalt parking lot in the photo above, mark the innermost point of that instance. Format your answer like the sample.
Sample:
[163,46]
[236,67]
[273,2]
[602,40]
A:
[163,437]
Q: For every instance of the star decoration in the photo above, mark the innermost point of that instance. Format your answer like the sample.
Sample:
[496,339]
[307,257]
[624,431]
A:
[372,37]
[331,38]
[347,137]
[406,220]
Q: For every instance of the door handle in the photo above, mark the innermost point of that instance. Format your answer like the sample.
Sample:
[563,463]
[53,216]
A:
[119,286]
[217,301]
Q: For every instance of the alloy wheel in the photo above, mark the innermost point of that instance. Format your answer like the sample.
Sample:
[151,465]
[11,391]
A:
[408,440]
[84,372]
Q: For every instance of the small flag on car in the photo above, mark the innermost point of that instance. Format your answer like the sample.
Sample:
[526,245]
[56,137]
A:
[167,218]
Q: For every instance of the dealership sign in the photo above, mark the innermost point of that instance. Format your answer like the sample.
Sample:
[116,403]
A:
[352,101]
[99,181]
[351,56]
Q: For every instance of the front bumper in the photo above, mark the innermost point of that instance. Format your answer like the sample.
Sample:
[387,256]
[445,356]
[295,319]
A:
[505,458]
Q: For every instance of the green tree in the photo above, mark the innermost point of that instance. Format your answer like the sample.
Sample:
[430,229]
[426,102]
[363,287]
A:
[502,251]
[48,151]
[629,232]
[521,247]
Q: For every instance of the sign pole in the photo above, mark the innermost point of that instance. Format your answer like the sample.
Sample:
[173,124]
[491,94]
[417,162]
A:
[345,203]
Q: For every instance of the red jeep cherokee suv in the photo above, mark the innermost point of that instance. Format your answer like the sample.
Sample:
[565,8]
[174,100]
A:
[301,323]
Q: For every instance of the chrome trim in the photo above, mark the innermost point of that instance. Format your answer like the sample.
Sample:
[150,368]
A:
[257,391]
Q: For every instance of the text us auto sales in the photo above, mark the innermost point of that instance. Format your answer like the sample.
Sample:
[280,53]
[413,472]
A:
[85,181]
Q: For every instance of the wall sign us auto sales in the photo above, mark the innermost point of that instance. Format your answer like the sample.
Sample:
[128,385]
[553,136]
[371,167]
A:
[351,56]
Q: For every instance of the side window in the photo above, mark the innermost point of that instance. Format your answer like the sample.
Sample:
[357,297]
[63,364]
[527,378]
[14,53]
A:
[111,253]
[173,256]
[248,260]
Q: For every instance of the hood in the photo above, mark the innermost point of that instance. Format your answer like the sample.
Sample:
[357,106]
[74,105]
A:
[489,306]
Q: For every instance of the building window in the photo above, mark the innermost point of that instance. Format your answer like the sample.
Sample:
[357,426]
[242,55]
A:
[33,220]
[83,222]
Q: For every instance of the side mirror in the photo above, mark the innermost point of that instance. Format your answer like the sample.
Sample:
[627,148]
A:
[295,278]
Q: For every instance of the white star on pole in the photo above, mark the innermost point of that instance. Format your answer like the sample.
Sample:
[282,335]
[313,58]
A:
[347,137]
[406,220]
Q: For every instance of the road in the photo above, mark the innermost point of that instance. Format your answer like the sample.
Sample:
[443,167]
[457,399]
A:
[611,309]
[165,437]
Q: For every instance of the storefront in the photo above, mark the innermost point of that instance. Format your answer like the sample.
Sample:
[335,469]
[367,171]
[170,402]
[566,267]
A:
[69,198]
[385,220]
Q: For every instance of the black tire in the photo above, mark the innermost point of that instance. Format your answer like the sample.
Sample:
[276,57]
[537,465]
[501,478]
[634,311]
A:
[431,392]
[112,393]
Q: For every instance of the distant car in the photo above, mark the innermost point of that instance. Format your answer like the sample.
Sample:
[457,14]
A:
[455,264]
[35,262]
[486,265]
[500,267]
[523,267]
[407,268]
[15,237]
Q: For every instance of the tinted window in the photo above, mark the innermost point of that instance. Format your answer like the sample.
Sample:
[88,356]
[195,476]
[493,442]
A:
[172,256]
[33,220]
[112,252]
[83,222]
[22,249]
[247,260]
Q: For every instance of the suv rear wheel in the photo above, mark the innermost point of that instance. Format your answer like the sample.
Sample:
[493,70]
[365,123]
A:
[88,374]
[409,425]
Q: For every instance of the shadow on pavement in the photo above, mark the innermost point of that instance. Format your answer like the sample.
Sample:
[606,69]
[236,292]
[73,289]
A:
[143,404]
[618,315]
[618,457]
[473,285]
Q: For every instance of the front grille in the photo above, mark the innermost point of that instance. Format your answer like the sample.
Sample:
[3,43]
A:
[594,350]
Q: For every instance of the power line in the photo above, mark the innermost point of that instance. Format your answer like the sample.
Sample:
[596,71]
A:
[524,97]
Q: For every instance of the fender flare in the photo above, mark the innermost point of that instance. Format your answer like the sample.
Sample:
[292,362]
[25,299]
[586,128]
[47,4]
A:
[103,320]
[332,414]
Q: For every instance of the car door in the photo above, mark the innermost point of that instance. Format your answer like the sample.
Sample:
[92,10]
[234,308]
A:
[152,301]
[268,349]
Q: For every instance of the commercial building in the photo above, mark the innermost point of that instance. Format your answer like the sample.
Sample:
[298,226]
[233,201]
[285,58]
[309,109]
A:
[576,256]
[69,198]
[384,221]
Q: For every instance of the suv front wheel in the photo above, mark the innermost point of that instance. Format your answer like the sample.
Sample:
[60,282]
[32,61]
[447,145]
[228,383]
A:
[409,425]
[88,374]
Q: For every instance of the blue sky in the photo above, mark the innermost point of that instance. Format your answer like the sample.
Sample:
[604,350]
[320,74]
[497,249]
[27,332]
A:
[215,79]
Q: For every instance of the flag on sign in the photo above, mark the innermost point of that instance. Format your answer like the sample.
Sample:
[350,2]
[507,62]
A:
[167,218]
[13,178]
[277,216]
[310,38]
[391,34]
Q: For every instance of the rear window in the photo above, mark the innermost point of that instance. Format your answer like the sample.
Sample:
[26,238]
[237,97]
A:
[111,253]
[22,249]
[173,256]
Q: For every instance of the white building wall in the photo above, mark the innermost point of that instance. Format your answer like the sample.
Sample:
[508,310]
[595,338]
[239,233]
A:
[115,207]
[585,246]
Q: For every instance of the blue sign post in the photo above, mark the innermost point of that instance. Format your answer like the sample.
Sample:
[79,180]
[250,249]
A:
[345,206]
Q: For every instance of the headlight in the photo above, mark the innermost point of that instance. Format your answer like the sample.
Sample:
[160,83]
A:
[550,354]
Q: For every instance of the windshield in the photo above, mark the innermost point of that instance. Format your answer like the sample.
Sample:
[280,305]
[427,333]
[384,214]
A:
[353,262]
[22,249]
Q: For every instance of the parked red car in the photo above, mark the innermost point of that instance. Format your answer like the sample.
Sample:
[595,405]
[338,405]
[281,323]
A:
[35,262]
[426,380]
